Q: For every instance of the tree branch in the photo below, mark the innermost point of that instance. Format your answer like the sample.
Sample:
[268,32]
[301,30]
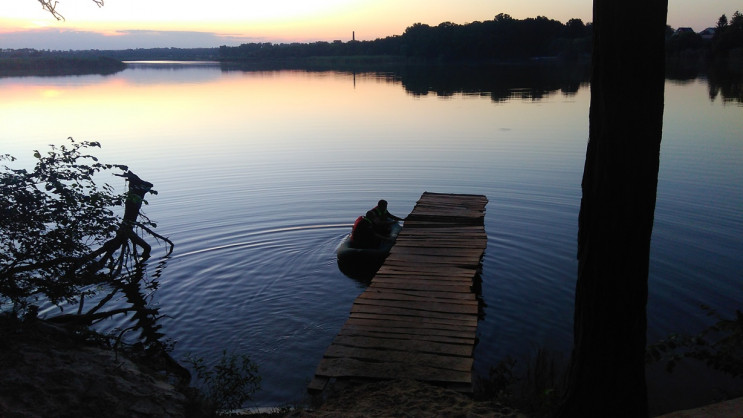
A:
[51,7]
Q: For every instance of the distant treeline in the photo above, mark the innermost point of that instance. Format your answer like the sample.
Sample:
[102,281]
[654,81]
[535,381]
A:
[46,65]
[501,39]
[139,54]
[720,45]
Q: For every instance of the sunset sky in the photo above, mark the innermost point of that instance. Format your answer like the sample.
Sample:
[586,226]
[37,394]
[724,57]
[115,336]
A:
[209,23]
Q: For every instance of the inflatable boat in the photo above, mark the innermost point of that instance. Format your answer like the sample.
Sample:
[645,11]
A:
[363,263]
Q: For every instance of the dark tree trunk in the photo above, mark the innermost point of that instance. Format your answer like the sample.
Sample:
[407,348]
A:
[138,188]
[607,371]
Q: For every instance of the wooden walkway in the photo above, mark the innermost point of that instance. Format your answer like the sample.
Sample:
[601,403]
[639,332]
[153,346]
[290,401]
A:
[418,317]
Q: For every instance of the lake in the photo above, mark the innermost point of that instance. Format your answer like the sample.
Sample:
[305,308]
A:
[261,173]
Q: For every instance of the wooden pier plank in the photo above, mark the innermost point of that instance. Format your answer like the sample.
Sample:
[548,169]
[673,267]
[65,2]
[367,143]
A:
[377,292]
[427,305]
[349,367]
[412,329]
[425,324]
[402,334]
[454,318]
[463,364]
[419,346]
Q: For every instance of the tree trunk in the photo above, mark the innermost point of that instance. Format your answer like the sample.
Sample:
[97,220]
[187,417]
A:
[138,188]
[607,371]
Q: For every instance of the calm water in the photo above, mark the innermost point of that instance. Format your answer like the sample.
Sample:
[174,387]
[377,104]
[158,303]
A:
[260,175]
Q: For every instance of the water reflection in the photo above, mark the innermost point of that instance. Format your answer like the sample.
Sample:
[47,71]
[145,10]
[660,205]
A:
[262,171]
[534,81]
[500,82]
[727,84]
[724,81]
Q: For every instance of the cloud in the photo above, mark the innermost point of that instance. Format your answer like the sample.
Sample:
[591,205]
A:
[59,39]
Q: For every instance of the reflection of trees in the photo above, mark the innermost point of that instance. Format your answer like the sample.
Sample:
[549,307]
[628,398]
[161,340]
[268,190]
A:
[500,82]
[725,83]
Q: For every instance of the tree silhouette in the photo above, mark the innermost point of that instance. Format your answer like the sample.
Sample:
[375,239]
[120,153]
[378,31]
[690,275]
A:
[51,7]
[607,371]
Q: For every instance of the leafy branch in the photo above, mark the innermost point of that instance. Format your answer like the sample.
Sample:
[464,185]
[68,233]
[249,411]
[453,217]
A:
[60,239]
[720,345]
[228,384]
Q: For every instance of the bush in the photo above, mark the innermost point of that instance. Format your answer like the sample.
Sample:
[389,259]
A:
[53,218]
[229,384]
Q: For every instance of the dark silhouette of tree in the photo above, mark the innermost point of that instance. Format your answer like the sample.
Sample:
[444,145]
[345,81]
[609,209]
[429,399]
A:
[60,238]
[575,28]
[722,22]
[607,371]
[728,38]
[51,7]
[503,38]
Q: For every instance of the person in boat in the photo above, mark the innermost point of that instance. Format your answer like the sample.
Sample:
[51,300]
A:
[364,233]
[382,219]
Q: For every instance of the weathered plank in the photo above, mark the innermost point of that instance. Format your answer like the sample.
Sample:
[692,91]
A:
[411,334]
[348,367]
[449,317]
[362,325]
[463,364]
[422,322]
[418,305]
[401,294]
[444,271]
[437,251]
[414,277]
[408,285]
[460,350]
[425,323]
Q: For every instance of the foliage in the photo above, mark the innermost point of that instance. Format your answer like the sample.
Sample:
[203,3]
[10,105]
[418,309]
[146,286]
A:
[544,384]
[499,384]
[61,240]
[535,390]
[728,36]
[53,217]
[503,38]
[720,346]
[47,64]
[229,384]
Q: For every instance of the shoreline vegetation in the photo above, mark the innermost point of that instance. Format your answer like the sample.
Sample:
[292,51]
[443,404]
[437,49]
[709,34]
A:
[47,65]
[501,41]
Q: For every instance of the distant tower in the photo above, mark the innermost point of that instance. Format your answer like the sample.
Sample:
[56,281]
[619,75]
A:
[353,35]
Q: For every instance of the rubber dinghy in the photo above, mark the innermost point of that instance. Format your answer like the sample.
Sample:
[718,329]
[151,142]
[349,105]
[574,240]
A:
[363,263]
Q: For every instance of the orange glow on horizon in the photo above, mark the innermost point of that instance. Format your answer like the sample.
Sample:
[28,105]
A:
[279,20]
[308,20]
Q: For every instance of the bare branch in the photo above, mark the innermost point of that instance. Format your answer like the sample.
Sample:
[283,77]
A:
[51,7]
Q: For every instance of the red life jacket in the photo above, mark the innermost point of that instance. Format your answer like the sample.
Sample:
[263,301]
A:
[355,225]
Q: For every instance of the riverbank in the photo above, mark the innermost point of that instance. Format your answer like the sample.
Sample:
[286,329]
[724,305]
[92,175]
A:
[58,66]
[49,372]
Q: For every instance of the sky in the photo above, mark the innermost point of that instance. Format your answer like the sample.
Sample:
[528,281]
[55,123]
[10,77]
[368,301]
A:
[122,24]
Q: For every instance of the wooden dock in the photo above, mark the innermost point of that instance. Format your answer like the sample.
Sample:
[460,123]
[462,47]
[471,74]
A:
[418,317]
